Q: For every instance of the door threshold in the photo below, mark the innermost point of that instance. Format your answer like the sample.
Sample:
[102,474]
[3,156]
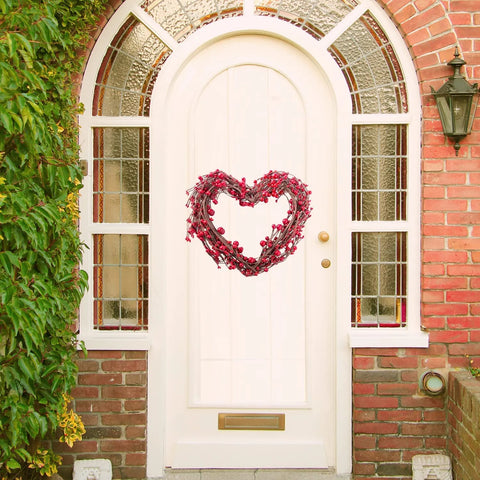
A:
[253,474]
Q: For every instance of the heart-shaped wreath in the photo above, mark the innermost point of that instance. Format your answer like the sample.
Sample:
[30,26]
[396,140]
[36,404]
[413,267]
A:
[276,247]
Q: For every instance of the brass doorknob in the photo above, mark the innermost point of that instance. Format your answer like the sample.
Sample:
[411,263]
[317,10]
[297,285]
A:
[323,236]
[326,263]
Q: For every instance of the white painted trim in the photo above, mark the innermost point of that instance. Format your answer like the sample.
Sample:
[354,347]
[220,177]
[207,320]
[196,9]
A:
[154,27]
[379,338]
[248,8]
[343,25]
[400,226]
[120,228]
[105,121]
[381,119]
[343,362]
[291,455]
[122,341]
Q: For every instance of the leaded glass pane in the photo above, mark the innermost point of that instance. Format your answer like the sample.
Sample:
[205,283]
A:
[379,271]
[316,18]
[120,282]
[182,17]
[121,175]
[371,68]
[128,71]
[379,172]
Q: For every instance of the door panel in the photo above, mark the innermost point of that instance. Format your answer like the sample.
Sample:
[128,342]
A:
[252,347]
[246,105]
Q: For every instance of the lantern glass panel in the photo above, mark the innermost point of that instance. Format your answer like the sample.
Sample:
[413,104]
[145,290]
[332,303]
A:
[460,113]
[445,114]
[473,109]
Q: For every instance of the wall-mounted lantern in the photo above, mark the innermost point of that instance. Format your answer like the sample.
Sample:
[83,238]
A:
[456,101]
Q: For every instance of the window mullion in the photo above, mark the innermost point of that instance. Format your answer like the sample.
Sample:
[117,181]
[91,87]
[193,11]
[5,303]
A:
[343,25]
[394,226]
[381,118]
[119,122]
[154,27]
[120,228]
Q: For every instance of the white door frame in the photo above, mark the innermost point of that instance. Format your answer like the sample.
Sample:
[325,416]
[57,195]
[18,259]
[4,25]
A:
[156,359]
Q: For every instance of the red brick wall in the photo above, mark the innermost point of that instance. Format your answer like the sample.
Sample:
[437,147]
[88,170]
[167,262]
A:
[111,398]
[393,420]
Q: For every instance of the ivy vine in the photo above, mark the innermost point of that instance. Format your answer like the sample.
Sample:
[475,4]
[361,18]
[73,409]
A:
[40,179]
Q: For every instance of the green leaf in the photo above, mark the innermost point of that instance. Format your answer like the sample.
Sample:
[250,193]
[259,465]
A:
[26,368]
[32,426]
[10,262]
[12,45]
[13,464]
[8,293]
[6,121]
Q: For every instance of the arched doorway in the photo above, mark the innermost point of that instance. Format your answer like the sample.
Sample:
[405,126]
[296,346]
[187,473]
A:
[147,57]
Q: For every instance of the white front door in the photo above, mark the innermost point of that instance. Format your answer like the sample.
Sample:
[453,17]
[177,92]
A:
[248,104]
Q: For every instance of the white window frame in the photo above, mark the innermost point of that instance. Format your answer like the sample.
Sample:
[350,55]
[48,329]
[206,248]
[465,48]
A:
[411,335]
[96,339]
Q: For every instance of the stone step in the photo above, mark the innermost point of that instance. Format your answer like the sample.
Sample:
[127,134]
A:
[253,474]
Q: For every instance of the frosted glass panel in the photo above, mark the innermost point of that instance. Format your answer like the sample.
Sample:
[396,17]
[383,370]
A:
[379,279]
[121,175]
[316,18]
[182,17]
[379,172]
[371,68]
[128,71]
[120,282]
[369,279]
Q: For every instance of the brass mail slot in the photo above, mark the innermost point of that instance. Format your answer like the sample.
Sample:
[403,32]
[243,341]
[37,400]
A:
[251,421]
